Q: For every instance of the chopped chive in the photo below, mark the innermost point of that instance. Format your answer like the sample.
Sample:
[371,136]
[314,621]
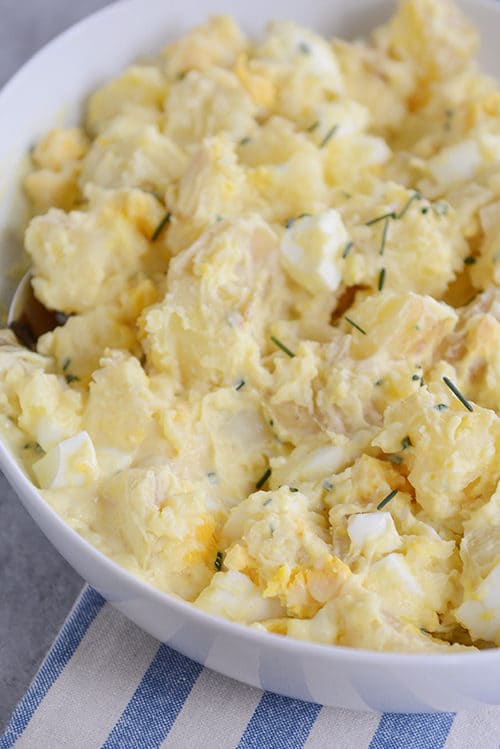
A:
[387,499]
[212,477]
[219,218]
[245,140]
[470,260]
[240,384]
[381,279]
[313,127]
[440,407]
[290,222]
[424,210]
[293,489]
[355,325]
[457,393]
[440,208]
[396,459]
[35,446]
[66,364]
[218,561]
[267,502]
[71,378]
[406,443]
[415,377]
[384,237]
[329,135]
[348,248]
[260,483]
[415,196]
[383,217]
[304,48]
[282,347]
[271,422]
[165,220]
[327,485]
[378,382]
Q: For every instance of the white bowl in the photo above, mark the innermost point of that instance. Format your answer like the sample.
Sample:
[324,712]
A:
[50,89]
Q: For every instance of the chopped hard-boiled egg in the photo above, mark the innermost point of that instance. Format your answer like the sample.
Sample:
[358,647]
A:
[274,388]
[71,463]
[311,251]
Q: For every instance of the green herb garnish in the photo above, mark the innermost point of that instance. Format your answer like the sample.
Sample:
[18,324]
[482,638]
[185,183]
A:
[71,378]
[384,237]
[355,325]
[260,483]
[329,136]
[218,561]
[396,459]
[327,485]
[304,48]
[387,499]
[347,249]
[293,489]
[240,384]
[245,140]
[470,260]
[383,217]
[165,220]
[313,127]
[219,218]
[406,443]
[440,407]
[415,196]
[282,347]
[212,477]
[457,393]
[381,279]
[415,377]
[66,364]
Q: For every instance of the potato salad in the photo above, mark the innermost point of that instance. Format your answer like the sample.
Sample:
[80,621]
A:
[275,389]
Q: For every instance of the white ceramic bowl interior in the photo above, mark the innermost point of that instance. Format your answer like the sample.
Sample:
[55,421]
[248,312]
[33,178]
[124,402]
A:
[50,90]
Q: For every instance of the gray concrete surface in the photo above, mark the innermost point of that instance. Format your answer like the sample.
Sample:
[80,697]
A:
[37,587]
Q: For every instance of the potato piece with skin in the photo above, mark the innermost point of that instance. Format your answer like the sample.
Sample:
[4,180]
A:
[434,38]
[132,153]
[235,597]
[455,459]
[474,352]
[208,103]
[213,185]
[120,404]
[356,618]
[420,251]
[301,67]
[49,189]
[140,88]
[221,293]
[59,147]
[77,345]
[376,80]
[399,325]
[479,610]
[215,43]
[54,183]
[292,188]
[49,409]
[162,523]
[113,232]
[279,542]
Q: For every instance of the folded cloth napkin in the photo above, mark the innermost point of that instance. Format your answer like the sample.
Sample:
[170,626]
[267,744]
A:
[105,683]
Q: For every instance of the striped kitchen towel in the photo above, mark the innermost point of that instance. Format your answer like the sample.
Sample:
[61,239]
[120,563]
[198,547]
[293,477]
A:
[105,683]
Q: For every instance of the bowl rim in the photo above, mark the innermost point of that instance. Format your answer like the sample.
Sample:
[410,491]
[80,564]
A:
[18,479]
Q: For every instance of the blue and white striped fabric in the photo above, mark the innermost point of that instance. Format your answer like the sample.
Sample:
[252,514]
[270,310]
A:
[105,683]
